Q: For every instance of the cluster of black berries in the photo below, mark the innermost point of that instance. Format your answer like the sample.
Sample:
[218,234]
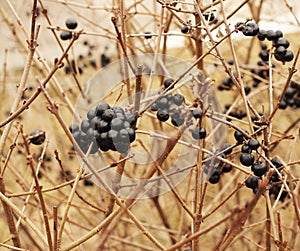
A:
[291,97]
[169,106]
[71,24]
[260,169]
[279,42]
[106,128]
[249,29]
[214,167]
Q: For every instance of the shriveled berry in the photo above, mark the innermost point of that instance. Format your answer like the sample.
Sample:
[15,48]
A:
[71,23]
[247,90]
[209,16]
[197,113]
[246,159]
[37,137]
[253,144]
[105,60]
[252,182]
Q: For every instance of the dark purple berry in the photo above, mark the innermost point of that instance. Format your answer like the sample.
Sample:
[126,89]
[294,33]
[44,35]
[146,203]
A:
[246,159]
[168,82]
[71,23]
[185,29]
[147,36]
[227,147]
[288,56]
[197,113]
[226,168]
[85,125]
[162,115]
[65,35]
[282,42]
[262,34]
[101,108]
[259,169]
[239,137]
[253,144]
[37,137]
[271,35]
[246,149]
[108,115]
[252,182]
[178,99]
[199,133]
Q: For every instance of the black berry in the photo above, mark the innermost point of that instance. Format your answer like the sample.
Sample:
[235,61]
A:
[37,137]
[247,159]
[71,23]
[65,35]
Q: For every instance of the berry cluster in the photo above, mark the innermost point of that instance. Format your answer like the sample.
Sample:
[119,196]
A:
[71,24]
[106,128]
[169,106]
[249,29]
[291,97]
[279,42]
[260,169]
[214,168]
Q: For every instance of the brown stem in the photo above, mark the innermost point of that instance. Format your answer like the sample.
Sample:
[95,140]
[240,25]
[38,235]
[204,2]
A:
[39,191]
[9,218]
